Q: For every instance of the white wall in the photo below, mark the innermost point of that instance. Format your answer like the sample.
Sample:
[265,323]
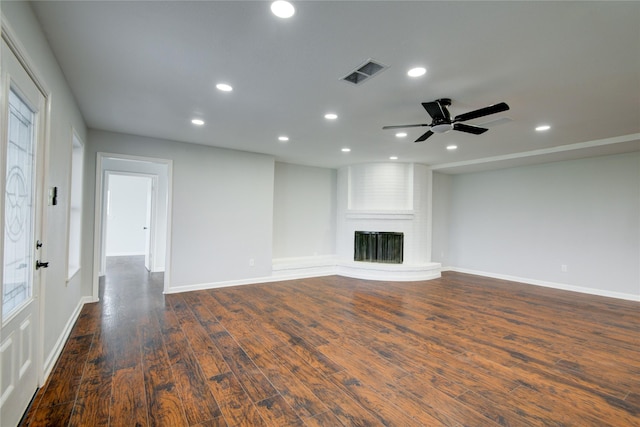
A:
[61,299]
[222,212]
[441,214]
[127,215]
[304,211]
[527,222]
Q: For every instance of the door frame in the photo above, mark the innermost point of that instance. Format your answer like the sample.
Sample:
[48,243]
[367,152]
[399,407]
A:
[152,214]
[9,36]
[100,211]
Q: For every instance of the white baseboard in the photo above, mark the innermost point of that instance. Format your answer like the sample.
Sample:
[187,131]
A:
[546,284]
[304,267]
[224,284]
[327,265]
[52,358]
[125,254]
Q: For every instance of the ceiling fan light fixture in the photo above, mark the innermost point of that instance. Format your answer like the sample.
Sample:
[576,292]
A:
[441,128]
[452,147]
[543,128]
[197,122]
[401,134]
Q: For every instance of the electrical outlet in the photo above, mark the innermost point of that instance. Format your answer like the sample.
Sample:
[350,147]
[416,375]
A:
[563,268]
[251,262]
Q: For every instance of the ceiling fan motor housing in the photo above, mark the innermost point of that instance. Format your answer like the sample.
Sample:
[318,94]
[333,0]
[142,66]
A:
[441,127]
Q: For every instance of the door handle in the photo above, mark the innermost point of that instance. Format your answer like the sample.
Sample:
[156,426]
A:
[40,265]
[145,228]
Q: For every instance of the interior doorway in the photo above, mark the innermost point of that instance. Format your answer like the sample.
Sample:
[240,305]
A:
[131,217]
[133,196]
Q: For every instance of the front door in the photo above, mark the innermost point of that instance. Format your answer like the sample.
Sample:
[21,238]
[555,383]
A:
[21,208]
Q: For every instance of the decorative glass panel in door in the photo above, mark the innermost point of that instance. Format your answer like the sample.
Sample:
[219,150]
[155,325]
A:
[17,286]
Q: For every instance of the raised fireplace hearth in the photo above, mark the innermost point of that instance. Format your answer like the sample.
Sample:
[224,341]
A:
[378,246]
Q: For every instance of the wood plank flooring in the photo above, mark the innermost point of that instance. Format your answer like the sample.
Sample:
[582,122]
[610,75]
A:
[457,351]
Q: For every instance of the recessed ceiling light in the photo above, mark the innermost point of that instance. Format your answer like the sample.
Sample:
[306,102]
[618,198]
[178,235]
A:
[416,72]
[330,116]
[283,138]
[393,158]
[401,134]
[346,150]
[282,9]
[452,147]
[197,122]
[224,87]
[542,128]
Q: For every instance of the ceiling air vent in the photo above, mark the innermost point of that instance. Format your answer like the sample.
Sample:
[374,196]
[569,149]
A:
[364,72]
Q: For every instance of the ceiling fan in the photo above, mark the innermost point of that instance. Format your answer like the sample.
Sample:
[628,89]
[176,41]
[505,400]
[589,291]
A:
[442,121]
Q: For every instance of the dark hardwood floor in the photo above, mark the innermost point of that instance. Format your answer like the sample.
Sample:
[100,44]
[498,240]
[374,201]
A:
[458,351]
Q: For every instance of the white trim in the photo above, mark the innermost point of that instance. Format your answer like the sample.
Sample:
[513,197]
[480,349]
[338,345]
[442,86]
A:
[97,229]
[18,49]
[51,360]
[541,152]
[327,265]
[546,284]
[380,215]
[98,226]
[223,284]
[125,254]
[304,267]
[72,270]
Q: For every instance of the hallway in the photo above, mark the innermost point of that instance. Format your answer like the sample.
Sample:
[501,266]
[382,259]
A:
[104,353]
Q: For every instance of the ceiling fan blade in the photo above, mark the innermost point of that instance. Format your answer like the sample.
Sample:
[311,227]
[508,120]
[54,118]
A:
[437,111]
[491,109]
[405,126]
[469,128]
[424,136]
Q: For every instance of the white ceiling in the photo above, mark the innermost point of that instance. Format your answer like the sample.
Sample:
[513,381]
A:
[149,67]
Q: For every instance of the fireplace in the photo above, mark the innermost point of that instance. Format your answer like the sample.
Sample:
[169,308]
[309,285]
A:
[377,246]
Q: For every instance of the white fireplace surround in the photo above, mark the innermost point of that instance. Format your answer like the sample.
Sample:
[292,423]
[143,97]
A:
[384,197]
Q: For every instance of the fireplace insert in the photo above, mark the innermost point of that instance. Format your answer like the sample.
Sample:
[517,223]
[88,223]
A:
[378,246]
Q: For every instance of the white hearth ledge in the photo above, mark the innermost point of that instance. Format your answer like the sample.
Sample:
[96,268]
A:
[327,265]
[389,272]
[302,267]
